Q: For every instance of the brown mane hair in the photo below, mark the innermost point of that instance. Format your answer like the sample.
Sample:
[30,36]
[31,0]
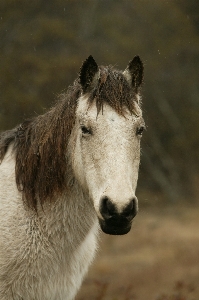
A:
[41,143]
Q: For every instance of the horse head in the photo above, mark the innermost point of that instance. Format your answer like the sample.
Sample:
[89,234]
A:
[107,131]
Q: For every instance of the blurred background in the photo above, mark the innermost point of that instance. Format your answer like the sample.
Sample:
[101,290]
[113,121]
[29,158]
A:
[42,46]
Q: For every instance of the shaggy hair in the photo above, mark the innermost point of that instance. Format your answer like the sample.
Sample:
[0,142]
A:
[40,144]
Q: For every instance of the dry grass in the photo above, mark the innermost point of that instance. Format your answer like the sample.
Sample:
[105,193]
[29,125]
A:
[157,260]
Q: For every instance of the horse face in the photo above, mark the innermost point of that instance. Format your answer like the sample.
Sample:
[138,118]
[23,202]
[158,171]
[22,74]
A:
[106,153]
[106,161]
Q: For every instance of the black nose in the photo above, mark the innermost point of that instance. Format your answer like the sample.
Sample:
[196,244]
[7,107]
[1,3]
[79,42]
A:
[109,210]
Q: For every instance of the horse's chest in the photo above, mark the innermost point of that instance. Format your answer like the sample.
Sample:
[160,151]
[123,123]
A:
[67,275]
[47,269]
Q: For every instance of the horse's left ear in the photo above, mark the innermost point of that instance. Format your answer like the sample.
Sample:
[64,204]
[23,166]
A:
[89,74]
[134,73]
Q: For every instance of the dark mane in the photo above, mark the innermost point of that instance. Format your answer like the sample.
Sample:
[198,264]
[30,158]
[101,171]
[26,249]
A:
[40,144]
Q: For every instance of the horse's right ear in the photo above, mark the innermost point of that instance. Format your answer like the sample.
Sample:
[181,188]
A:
[89,74]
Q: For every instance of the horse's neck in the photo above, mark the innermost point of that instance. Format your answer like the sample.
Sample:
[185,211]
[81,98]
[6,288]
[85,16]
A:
[69,218]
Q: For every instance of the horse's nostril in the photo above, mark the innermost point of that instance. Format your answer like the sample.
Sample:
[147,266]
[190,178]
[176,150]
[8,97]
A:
[107,208]
[130,210]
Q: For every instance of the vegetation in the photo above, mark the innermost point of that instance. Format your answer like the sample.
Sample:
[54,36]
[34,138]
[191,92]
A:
[43,44]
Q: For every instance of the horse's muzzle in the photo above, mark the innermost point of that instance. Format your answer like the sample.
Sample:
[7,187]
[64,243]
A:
[114,222]
[115,225]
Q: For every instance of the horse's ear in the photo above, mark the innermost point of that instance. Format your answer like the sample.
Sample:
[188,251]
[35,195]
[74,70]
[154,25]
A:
[134,73]
[89,74]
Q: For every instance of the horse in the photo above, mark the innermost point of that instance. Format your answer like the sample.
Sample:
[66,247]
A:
[64,175]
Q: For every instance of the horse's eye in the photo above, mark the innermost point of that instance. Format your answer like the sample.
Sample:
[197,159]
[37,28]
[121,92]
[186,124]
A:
[85,130]
[140,130]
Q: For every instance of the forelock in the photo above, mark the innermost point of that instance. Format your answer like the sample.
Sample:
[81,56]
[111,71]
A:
[112,88]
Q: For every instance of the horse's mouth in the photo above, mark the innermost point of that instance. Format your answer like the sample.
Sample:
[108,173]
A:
[115,226]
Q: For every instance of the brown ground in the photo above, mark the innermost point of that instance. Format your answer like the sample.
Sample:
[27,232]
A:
[157,260]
